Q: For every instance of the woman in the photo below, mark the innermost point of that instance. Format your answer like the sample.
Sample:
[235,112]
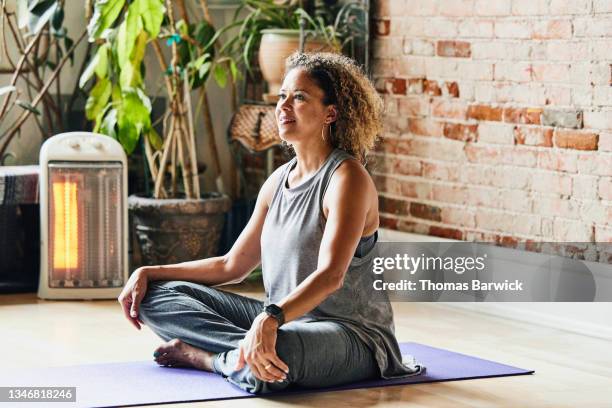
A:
[313,231]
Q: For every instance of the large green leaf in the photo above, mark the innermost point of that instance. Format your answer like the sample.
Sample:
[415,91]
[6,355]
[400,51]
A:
[103,60]
[98,64]
[152,14]
[220,75]
[133,118]
[107,124]
[105,14]
[130,71]
[98,98]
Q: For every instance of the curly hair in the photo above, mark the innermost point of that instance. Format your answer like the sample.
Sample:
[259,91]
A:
[359,106]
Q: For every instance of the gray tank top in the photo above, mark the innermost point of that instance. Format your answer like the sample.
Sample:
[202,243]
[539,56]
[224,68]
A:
[290,241]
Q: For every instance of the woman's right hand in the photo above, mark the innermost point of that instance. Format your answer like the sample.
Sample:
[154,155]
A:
[132,294]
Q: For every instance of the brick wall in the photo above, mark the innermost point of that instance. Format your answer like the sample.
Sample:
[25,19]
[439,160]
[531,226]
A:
[498,118]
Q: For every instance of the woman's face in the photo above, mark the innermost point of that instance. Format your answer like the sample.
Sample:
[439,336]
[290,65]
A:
[300,112]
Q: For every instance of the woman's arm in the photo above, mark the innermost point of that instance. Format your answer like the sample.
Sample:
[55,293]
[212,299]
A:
[243,257]
[349,197]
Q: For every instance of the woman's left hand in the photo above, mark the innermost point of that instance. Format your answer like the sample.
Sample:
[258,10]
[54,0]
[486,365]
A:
[258,350]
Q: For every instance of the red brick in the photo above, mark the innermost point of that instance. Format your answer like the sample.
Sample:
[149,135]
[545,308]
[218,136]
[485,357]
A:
[425,127]
[413,106]
[388,222]
[570,139]
[483,154]
[444,108]
[533,136]
[461,49]
[393,206]
[395,165]
[382,27]
[526,116]
[393,145]
[445,232]
[398,86]
[484,112]
[413,227]
[387,184]
[449,194]
[459,131]
[425,211]
[431,88]
[441,171]
[416,189]
[452,89]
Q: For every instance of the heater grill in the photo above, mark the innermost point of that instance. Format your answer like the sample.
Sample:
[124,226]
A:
[85,225]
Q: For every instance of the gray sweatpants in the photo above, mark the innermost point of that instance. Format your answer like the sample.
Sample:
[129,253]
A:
[318,353]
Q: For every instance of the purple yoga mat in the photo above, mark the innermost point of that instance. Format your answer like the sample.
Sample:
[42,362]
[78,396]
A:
[144,382]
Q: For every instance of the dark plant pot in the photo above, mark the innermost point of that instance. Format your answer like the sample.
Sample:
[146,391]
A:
[178,230]
[235,221]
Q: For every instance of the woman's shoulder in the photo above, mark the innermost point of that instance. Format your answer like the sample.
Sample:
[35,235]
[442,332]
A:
[351,175]
[272,183]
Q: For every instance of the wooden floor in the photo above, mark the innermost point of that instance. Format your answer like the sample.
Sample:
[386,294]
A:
[571,370]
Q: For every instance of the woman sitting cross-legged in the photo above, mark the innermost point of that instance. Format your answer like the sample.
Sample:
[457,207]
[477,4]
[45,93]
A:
[313,231]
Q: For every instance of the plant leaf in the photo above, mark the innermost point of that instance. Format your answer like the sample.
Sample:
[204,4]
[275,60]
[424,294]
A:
[7,89]
[104,15]
[27,106]
[22,13]
[233,70]
[101,68]
[220,75]
[155,139]
[152,14]
[130,72]
[98,98]
[40,15]
[58,18]
[107,125]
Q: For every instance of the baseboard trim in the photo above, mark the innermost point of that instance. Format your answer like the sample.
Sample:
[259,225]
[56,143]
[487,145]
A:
[508,311]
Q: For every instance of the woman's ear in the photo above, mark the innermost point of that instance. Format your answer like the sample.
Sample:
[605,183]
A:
[332,114]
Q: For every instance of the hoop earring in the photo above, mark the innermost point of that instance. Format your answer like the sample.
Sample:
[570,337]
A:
[323,132]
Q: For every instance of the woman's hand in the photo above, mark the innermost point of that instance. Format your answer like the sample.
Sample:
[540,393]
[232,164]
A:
[258,350]
[132,294]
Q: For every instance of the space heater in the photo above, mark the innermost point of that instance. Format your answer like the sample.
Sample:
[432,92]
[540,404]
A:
[83,217]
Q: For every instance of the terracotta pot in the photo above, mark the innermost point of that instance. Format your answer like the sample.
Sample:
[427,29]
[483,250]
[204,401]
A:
[276,45]
[177,230]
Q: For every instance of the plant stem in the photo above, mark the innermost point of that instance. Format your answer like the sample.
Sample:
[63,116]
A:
[18,70]
[191,141]
[13,130]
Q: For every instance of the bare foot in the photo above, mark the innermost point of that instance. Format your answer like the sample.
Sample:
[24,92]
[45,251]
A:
[177,353]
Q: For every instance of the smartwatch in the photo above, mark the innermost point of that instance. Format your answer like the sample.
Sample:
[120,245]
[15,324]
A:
[275,312]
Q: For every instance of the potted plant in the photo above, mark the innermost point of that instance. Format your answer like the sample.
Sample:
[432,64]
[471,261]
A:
[39,50]
[274,29]
[178,222]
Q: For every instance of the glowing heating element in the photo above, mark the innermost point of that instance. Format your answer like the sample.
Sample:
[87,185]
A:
[65,238]
[85,225]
